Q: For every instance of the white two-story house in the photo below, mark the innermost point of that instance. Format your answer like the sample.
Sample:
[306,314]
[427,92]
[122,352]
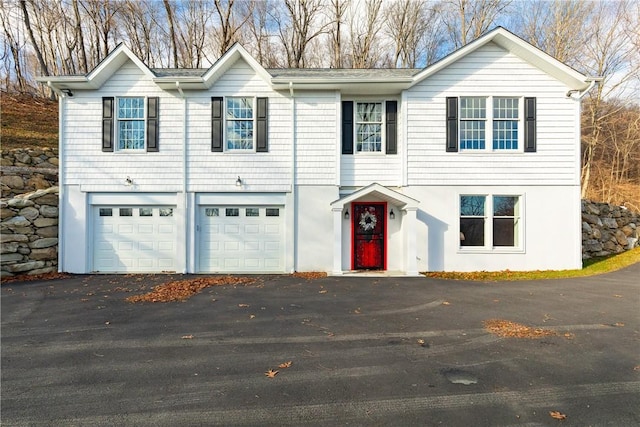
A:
[472,163]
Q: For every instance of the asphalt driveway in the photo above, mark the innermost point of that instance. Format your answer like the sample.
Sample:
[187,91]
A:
[363,351]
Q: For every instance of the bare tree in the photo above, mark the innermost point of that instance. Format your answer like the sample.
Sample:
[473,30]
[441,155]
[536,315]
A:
[412,25]
[365,49]
[467,20]
[297,27]
[172,32]
[259,36]
[338,10]
[36,47]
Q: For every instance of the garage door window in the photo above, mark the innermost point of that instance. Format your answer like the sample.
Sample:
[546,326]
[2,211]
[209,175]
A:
[212,212]
[106,212]
[126,212]
[166,212]
[252,212]
[232,212]
[273,212]
[146,212]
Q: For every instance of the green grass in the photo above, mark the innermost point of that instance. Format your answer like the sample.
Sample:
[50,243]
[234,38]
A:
[591,267]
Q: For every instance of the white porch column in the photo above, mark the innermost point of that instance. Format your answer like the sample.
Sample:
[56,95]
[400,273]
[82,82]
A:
[410,227]
[337,241]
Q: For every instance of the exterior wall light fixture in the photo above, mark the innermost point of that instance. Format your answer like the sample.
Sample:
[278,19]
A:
[392,214]
[346,214]
[238,182]
[128,182]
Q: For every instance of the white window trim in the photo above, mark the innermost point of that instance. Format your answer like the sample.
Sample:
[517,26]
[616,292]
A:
[488,247]
[225,141]
[488,128]
[383,134]
[117,148]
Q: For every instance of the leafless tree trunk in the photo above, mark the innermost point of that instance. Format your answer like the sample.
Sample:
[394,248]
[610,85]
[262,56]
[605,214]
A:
[338,10]
[365,52]
[84,65]
[172,32]
[36,47]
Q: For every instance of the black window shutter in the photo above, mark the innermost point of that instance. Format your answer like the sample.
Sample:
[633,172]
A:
[262,139]
[452,124]
[530,125]
[216,123]
[152,124]
[392,127]
[347,127]
[107,124]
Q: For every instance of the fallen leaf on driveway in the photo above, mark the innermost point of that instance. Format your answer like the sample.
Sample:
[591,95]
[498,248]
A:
[252,316]
[508,329]
[557,415]
[187,337]
[324,291]
[285,365]
[243,305]
[271,373]
[183,289]
[446,303]
[618,324]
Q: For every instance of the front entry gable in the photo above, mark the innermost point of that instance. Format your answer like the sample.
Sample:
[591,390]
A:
[379,192]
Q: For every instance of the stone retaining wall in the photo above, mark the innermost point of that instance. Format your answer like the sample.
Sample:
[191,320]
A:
[26,170]
[608,229]
[29,233]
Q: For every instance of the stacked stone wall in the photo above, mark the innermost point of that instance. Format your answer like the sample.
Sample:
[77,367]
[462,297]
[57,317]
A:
[27,170]
[29,233]
[608,229]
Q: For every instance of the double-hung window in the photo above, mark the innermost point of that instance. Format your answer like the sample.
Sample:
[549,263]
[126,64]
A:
[239,124]
[131,123]
[490,221]
[369,127]
[239,120]
[489,124]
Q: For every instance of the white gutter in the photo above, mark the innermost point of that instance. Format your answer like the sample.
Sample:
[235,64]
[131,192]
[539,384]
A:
[184,177]
[293,179]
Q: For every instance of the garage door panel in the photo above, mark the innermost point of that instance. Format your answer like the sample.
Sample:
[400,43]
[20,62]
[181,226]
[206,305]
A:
[230,243]
[134,239]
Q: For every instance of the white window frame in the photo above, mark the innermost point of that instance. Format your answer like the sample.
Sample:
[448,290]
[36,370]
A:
[383,130]
[488,127]
[253,130]
[118,120]
[489,247]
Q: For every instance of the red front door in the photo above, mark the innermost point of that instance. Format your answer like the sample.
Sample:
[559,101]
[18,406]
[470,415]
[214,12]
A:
[369,236]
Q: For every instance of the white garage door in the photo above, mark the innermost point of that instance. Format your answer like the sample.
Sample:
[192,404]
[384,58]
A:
[134,239]
[241,239]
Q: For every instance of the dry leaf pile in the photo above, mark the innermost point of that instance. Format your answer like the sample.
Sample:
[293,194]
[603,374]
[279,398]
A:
[310,275]
[183,289]
[508,329]
[30,278]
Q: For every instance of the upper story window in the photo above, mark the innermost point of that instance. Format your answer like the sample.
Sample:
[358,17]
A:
[474,115]
[239,117]
[491,124]
[369,127]
[239,124]
[131,123]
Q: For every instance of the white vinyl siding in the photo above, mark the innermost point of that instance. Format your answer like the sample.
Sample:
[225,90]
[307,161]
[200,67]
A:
[492,71]
[317,137]
[218,171]
[84,162]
